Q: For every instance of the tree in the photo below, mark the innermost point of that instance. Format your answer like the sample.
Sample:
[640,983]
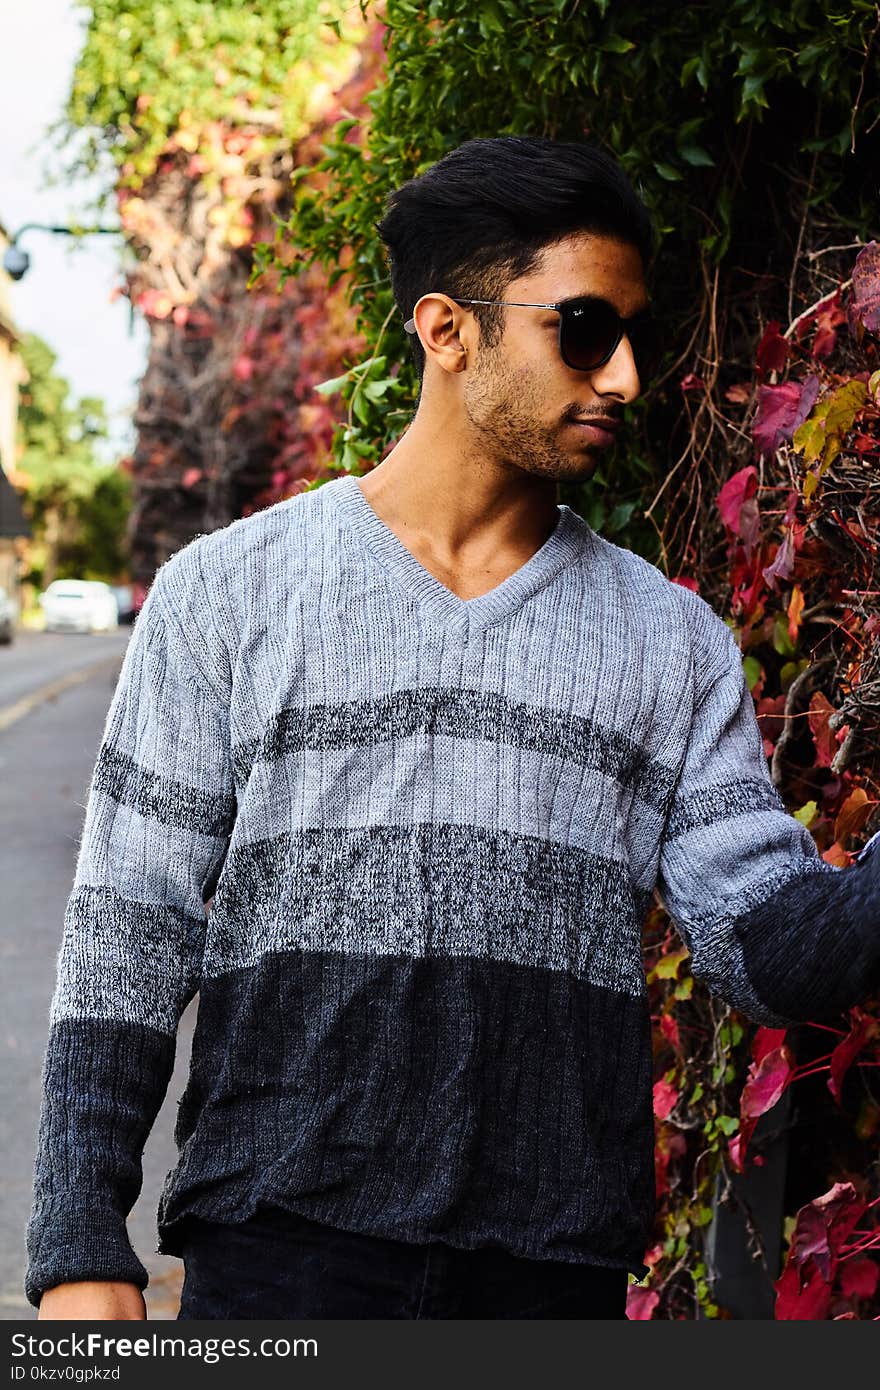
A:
[199,108]
[77,505]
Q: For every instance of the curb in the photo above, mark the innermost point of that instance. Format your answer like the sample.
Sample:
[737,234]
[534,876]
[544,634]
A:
[12,713]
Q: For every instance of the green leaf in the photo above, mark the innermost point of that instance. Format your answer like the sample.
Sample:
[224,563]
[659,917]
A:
[782,642]
[336,383]
[688,70]
[696,155]
[378,390]
[667,966]
[753,93]
[619,517]
[820,437]
[754,671]
[667,172]
[360,408]
[615,44]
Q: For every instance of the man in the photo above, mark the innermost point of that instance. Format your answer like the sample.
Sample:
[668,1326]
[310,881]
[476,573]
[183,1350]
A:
[430,742]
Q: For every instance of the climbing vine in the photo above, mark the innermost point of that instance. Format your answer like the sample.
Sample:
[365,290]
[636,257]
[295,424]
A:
[802,528]
[748,472]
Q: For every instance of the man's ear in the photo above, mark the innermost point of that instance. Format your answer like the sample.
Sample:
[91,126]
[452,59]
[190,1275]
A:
[443,329]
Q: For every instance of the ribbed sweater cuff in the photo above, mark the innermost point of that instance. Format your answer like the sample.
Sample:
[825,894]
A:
[69,1239]
[812,950]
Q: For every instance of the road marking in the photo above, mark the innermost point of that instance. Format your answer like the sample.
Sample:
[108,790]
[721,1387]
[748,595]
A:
[11,713]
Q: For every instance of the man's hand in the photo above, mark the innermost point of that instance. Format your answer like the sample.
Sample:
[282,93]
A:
[93,1300]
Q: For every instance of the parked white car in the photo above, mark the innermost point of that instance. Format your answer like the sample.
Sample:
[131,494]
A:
[79,605]
[7,618]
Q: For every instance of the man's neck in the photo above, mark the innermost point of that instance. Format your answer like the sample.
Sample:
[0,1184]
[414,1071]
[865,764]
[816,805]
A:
[469,521]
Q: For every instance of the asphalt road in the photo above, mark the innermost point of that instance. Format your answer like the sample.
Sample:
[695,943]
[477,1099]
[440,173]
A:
[48,743]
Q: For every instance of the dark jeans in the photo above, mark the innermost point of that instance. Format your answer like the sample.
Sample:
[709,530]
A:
[280,1265]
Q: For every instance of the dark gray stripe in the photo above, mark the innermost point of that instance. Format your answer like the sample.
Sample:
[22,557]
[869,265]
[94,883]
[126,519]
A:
[430,890]
[463,1100]
[160,798]
[729,799]
[463,714]
[811,948]
[103,1083]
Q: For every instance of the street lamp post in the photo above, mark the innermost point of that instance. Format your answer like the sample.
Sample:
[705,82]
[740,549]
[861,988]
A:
[16,260]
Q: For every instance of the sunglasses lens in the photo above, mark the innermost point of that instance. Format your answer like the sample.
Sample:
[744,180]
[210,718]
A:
[590,329]
[644,337]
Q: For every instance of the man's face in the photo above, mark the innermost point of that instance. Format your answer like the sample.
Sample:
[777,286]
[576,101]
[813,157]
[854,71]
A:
[526,406]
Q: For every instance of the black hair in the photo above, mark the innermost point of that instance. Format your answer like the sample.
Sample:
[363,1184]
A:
[483,214]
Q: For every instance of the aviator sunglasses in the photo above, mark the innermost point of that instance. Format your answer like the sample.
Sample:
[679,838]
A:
[589,332]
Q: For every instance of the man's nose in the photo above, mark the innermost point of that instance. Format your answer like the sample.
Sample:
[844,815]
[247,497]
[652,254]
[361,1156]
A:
[619,375]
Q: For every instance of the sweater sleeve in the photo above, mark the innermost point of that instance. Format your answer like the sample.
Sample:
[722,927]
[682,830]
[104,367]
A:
[772,928]
[157,824]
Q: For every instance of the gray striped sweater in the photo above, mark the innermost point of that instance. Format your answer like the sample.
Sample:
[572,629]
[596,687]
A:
[431,828]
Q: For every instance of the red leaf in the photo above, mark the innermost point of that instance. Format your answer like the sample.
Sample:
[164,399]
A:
[766,1083]
[768,1078]
[772,353]
[190,477]
[670,1145]
[859,1278]
[686,582]
[782,566]
[864,444]
[781,409]
[665,1097]
[820,1232]
[801,1294]
[738,394]
[738,505]
[864,303]
[155,304]
[767,1040]
[746,601]
[640,1303]
[692,382]
[822,1226]
[820,712]
[669,1029]
[828,319]
[864,1028]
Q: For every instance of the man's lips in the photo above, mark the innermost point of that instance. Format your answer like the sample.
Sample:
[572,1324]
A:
[598,429]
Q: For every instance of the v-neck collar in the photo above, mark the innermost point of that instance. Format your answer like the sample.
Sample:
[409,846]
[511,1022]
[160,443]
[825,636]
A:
[457,615]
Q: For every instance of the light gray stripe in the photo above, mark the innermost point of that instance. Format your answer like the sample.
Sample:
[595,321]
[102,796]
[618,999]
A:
[424,890]
[144,860]
[493,787]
